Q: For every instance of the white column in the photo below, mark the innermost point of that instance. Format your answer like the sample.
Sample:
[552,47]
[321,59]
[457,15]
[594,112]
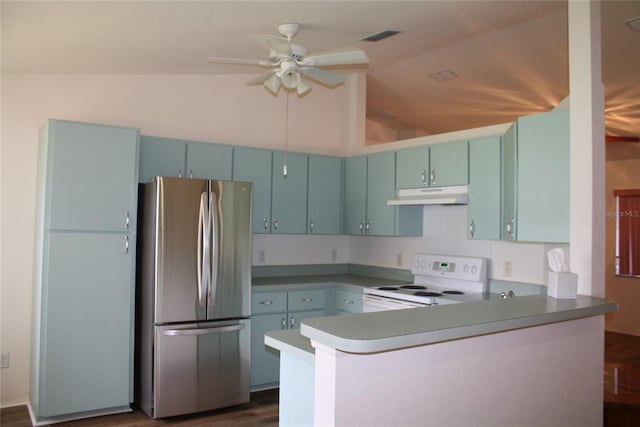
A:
[587,147]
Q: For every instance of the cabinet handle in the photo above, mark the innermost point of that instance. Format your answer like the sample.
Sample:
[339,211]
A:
[275,224]
[126,244]
[127,219]
[510,228]
[266,224]
[361,227]
[423,177]
[311,225]
[348,301]
[190,173]
[472,228]
[432,177]
[368,227]
[307,299]
[283,324]
[267,302]
[179,172]
[292,322]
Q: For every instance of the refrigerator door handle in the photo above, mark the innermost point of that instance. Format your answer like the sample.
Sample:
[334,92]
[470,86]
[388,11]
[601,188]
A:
[203,331]
[215,240]
[203,250]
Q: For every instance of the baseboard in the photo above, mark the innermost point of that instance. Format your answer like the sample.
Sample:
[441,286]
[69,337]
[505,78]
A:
[71,417]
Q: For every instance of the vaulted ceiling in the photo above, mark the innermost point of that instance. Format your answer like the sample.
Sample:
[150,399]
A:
[511,57]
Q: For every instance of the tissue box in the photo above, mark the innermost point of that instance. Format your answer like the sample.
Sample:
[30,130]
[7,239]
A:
[562,285]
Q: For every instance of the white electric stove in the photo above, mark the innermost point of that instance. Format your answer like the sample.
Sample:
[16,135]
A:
[438,280]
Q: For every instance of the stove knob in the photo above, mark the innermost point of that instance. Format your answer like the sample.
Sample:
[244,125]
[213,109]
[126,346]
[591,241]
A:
[466,268]
[423,264]
[474,269]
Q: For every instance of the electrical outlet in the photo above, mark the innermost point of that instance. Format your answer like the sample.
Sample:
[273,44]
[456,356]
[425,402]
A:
[4,360]
[506,269]
[399,259]
[261,256]
[334,255]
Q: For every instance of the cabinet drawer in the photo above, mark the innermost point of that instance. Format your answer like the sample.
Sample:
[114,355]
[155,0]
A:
[269,302]
[350,302]
[306,300]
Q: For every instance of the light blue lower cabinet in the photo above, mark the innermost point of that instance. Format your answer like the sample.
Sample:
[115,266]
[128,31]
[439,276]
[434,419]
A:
[265,361]
[348,302]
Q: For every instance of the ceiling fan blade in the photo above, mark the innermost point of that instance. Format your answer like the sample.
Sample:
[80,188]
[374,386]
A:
[238,61]
[261,78]
[328,78]
[303,86]
[273,83]
[346,56]
[279,46]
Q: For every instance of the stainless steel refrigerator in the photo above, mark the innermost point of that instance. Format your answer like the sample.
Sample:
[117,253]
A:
[193,296]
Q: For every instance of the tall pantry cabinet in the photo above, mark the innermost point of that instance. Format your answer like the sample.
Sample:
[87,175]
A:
[85,270]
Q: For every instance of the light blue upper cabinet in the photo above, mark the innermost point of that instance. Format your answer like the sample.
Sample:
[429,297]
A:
[355,195]
[381,187]
[161,157]
[324,205]
[449,164]
[485,177]
[254,165]
[91,170]
[209,161]
[543,177]
[412,167]
[509,229]
[289,194]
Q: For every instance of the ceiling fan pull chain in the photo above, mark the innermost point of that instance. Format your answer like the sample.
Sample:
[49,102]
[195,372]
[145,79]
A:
[286,134]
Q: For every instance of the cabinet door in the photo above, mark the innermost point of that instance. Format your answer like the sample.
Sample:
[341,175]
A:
[449,164]
[380,188]
[543,177]
[325,195]
[161,157]
[254,165]
[485,177]
[209,161]
[355,195]
[509,229]
[294,319]
[92,177]
[265,361]
[412,167]
[289,194]
[85,344]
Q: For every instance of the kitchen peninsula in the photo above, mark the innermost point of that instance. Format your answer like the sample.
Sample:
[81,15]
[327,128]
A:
[530,360]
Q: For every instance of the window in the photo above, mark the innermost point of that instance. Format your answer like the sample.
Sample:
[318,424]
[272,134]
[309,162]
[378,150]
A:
[627,232]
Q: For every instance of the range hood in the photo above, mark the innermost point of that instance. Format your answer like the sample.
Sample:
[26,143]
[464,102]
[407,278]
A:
[453,195]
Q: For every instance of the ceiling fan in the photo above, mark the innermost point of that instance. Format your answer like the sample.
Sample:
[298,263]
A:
[289,62]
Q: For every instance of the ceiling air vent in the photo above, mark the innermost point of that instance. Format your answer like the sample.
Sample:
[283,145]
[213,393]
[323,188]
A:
[379,36]
[443,75]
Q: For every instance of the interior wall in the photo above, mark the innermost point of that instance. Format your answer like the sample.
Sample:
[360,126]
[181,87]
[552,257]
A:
[220,108]
[621,174]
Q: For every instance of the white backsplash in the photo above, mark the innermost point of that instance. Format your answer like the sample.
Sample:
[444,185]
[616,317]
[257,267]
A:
[444,231]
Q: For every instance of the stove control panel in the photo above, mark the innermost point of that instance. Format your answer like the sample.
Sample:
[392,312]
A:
[452,267]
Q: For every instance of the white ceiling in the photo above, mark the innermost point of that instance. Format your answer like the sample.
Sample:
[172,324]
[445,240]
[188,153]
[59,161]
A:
[511,56]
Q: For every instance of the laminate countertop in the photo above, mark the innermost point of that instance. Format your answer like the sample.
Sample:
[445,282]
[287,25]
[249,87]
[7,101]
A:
[395,329]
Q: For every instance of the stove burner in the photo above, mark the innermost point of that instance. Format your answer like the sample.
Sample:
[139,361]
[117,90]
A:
[413,287]
[427,294]
[388,288]
[453,292]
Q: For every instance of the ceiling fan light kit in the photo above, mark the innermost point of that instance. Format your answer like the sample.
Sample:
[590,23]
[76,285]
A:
[290,63]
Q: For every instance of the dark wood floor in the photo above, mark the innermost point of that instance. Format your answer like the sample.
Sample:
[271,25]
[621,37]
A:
[622,399]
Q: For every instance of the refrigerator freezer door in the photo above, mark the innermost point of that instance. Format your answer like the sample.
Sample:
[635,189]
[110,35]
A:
[201,366]
[230,248]
[182,252]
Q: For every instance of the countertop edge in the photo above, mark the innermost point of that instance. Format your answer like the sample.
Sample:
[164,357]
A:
[466,330]
[291,342]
